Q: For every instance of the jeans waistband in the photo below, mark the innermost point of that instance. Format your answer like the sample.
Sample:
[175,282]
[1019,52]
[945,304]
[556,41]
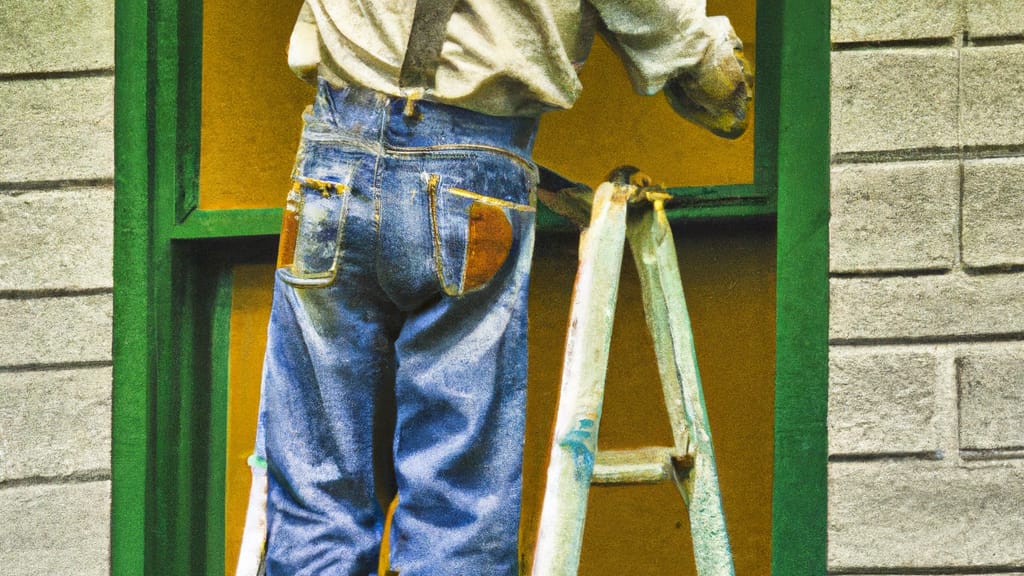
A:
[370,115]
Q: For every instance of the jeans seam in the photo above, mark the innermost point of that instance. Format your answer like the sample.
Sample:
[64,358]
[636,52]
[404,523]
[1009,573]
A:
[467,149]
[433,186]
[378,193]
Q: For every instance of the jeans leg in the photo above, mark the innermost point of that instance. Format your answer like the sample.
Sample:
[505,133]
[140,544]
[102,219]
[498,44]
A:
[459,435]
[329,364]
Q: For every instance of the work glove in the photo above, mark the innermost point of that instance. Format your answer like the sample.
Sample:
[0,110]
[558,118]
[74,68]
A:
[304,46]
[716,93]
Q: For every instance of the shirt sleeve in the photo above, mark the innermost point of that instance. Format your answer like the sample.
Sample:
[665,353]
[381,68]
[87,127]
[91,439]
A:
[306,15]
[656,39]
[304,46]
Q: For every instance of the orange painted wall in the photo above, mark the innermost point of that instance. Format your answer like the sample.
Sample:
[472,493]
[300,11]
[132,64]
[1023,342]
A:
[252,104]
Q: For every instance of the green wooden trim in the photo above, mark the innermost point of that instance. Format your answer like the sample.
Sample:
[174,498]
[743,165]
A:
[216,485]
[190,413]
[189,99]
[178,420]
[160,400]
[236,223]
[766,99]
[693,203]
[133,345]
[800,499]
[725,201]
[168,541]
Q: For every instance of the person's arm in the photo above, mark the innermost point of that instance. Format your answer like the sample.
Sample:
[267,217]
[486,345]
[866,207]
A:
[716,94]
[672,45]
[304,46]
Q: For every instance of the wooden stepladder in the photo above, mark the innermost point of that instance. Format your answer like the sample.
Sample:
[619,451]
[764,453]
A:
[628,207]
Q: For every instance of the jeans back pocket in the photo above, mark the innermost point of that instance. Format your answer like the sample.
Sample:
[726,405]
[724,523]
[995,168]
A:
[473,235]
[312,232]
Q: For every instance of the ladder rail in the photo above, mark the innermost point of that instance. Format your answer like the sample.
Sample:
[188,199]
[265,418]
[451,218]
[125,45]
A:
[665,309]
[580,401]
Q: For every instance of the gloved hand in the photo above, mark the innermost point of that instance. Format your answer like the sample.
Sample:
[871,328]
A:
[716,93]
[304,46]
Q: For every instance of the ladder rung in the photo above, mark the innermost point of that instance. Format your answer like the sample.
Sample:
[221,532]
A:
[637,466]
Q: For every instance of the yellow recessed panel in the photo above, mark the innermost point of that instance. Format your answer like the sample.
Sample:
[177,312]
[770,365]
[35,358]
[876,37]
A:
[252,104]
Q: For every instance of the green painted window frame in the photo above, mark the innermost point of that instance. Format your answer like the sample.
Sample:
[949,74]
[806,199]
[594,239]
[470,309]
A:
[172,287]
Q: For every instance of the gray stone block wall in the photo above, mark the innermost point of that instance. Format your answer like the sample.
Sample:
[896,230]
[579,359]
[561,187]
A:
[56,214]
[926,400]
[894,99]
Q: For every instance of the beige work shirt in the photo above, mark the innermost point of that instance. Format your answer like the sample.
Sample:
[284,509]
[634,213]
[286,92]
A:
[511,57]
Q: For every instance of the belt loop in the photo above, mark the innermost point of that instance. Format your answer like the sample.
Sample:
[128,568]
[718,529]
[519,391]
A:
[411,98]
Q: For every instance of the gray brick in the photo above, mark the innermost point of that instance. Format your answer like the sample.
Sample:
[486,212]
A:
[56,35]
[993,212]
[54,423]
[882,402]
[57,240]
[953,305]
[874,20]
[992,399]
[57,129]
[897,216]
[924,515]
[894,99]
[992,84]
[56,529]
[994,18]
[53,330]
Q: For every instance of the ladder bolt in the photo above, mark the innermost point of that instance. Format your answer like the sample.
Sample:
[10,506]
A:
[682,464]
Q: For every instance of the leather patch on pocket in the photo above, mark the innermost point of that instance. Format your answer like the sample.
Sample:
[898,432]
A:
[289,228]
[487,246]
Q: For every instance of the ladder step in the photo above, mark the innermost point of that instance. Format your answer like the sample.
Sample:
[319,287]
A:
[637,466]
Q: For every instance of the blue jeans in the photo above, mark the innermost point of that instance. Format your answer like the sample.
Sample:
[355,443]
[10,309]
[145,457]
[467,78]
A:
[397,341]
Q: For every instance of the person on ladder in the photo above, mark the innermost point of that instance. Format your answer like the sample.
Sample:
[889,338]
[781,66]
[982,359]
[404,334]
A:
[404,266]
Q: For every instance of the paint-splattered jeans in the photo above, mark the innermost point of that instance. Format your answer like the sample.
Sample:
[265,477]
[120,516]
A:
[397,341]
